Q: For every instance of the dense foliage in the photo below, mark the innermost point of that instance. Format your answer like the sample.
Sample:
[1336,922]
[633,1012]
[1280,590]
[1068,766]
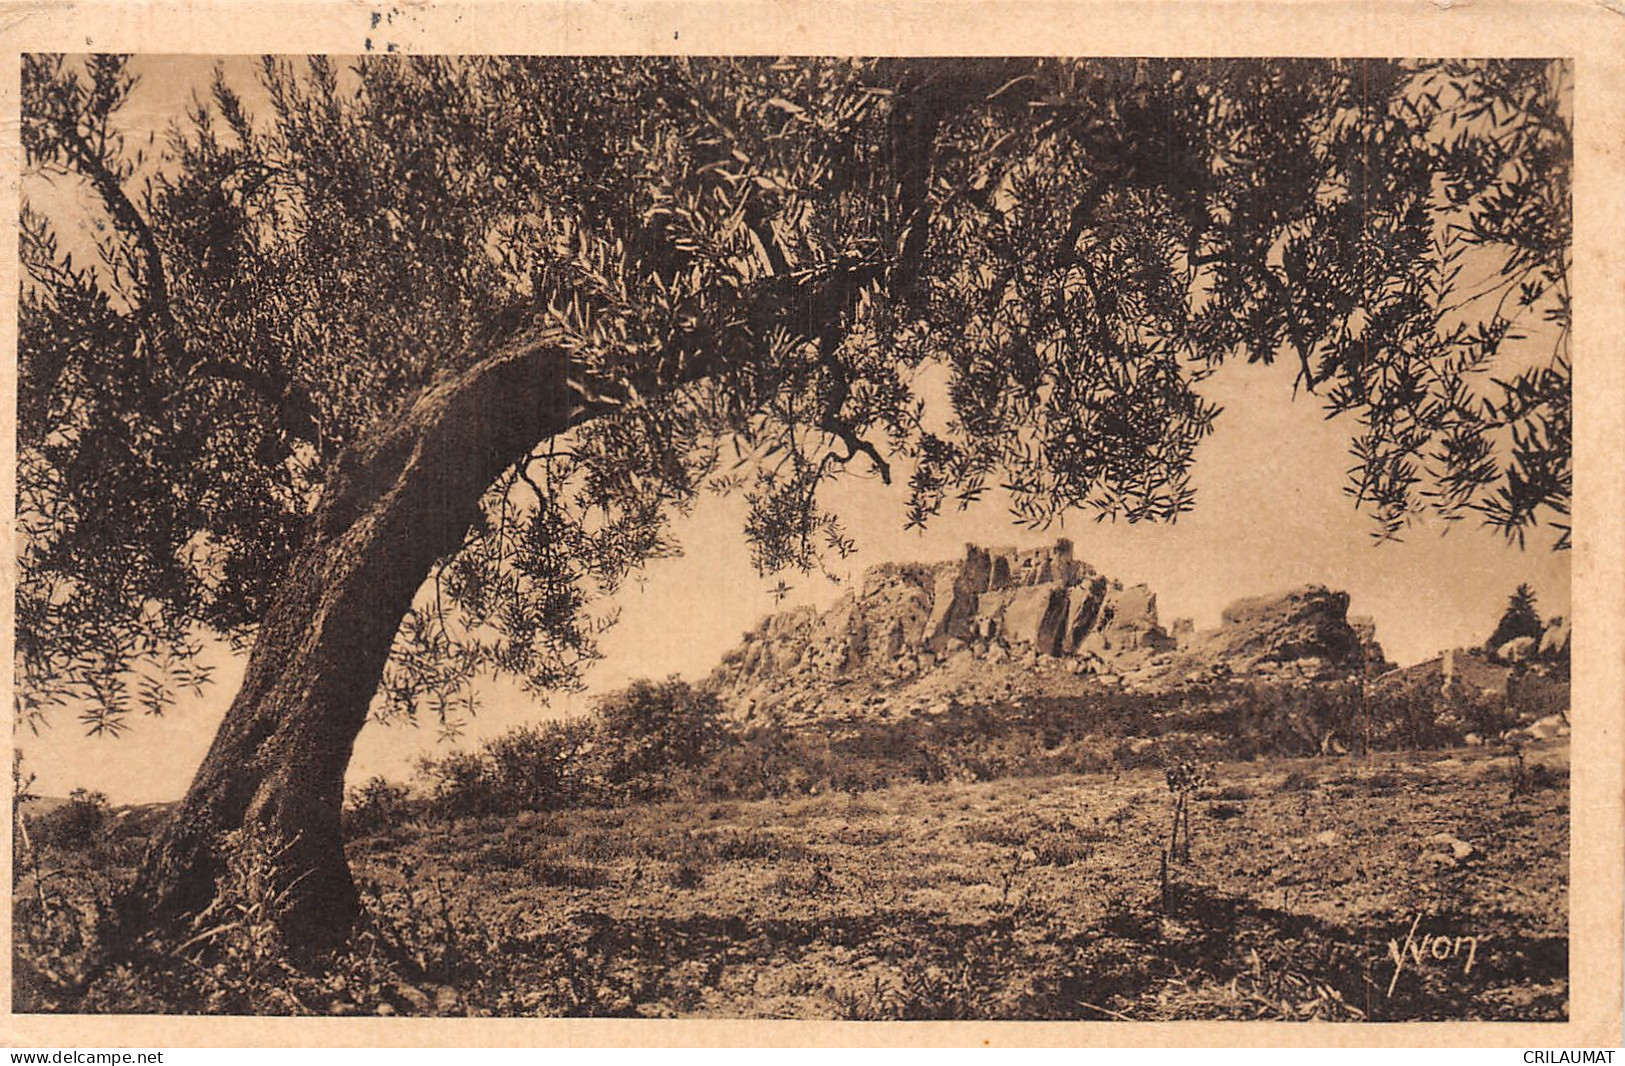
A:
[1520,619]
[751,262]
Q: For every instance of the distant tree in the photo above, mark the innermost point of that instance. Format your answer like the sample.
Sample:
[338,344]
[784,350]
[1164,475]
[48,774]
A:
[541,767]
[76,824]
[1520,619]
[650,728]
[392,379]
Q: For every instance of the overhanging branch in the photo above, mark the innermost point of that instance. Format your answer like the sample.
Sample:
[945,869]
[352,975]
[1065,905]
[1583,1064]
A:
[295,411]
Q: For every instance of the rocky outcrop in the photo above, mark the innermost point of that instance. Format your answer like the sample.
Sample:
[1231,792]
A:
[1517,650]
[1003,606]
[1371,653]
[1309,622]
[1083,605]
[908,616]
[1304,633]
[1554,641]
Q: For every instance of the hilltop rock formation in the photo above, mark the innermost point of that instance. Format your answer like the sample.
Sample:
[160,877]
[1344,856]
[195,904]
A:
[1041,609]
[1306,629]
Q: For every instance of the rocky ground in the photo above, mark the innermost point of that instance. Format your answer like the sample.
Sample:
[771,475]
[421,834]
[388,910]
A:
[1021,898]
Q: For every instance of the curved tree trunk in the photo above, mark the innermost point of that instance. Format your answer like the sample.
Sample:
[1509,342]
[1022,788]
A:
[395,505]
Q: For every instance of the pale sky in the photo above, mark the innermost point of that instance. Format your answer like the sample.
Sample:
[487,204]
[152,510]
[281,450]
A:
[1270,514]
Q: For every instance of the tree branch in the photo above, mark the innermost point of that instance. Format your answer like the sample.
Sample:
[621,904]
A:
[856,444]
[295,411]
[154,284]
[914,123]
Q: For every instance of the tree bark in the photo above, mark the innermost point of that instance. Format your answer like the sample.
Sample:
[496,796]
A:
[396,504]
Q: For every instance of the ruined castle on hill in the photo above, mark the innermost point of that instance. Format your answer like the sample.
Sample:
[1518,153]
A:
[1044,607]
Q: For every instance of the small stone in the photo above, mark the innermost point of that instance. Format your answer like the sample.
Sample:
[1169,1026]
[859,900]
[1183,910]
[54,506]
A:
[418,1000]
[1328,837]
[1553,725]
[1460,850]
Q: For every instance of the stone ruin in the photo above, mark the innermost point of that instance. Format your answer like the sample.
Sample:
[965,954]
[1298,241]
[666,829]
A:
[1004,605]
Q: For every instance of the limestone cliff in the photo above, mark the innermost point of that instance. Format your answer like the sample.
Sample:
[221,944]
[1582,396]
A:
[1038,609]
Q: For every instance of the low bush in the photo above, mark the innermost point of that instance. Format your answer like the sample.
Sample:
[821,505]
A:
[375,806]
[671,741]
[1060,849]
[77,825]
[649,729]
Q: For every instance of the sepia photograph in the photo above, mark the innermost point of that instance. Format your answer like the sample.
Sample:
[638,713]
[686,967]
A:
[818,537]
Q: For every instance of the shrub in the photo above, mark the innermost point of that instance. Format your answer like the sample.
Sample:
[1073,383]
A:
[458,784]
[61,919]
[771,759]
[650,728]
[532,768]
[1533,695]
[1542,777]
[1060,849]
[1003,834]
[565,874]
[756,845]
[374,807]
[536,768]
[686,875]
[76,825]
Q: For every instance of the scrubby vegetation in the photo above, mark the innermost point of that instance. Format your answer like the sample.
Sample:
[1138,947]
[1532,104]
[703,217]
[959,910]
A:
[991,861]
[669,741]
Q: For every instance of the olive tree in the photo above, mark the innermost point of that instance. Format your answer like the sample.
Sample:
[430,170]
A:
[392,376]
